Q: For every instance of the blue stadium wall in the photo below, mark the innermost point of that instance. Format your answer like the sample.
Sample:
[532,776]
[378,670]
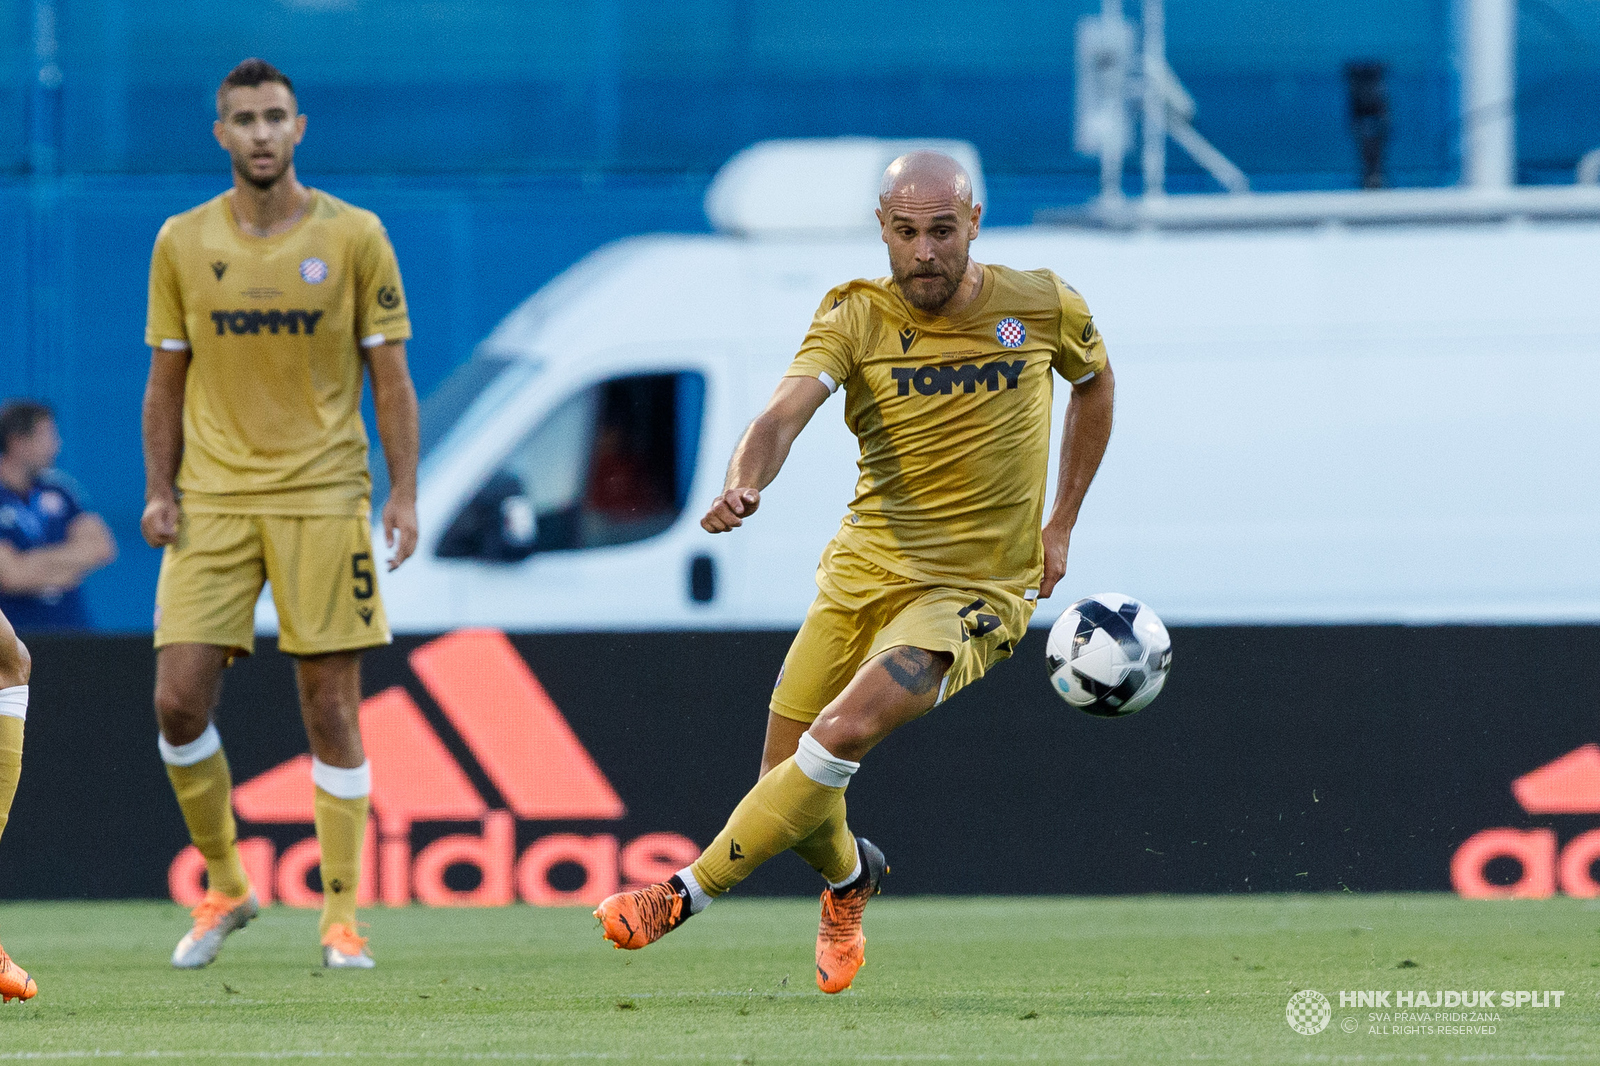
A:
[502,141]
[407,86]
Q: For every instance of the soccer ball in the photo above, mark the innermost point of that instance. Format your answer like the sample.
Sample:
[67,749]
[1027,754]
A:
[1108,655]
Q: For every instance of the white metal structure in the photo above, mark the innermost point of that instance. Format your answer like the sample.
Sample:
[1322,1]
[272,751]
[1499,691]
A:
[1108,81]
[1487,58]
[1515,203]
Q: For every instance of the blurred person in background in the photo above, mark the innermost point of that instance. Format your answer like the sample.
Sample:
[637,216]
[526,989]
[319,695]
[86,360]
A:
[48,542]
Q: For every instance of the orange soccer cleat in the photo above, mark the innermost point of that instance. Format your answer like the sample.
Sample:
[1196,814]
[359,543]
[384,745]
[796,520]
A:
[344,949]
[633,919]
[841,945]
[214,919]
[14,980]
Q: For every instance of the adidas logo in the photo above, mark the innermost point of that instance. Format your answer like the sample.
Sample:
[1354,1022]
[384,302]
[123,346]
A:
[1568,785]
[523,746]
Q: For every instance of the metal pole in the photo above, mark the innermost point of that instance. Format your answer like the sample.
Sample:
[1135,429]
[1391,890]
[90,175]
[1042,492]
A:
[44,96]
[1154,85]
[44,271]
[1113,145]
[1488,93]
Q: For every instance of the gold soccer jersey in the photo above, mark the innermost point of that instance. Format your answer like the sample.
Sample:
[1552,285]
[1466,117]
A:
[953,419]
[272,401]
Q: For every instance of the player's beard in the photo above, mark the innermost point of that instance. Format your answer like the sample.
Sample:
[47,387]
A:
[930,297]
[242,168]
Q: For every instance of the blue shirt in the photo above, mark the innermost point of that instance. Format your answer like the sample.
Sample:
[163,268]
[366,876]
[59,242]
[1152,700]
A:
[40,520]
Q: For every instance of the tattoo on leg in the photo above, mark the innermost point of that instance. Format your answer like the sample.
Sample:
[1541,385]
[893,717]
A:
[912,669]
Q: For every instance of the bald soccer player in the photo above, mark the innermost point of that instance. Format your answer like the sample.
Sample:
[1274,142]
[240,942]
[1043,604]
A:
[931,580]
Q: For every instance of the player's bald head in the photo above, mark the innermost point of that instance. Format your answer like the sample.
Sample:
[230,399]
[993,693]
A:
[925,208]
[923,179]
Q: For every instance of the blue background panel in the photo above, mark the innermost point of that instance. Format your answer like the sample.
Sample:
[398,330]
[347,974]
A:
[412,87]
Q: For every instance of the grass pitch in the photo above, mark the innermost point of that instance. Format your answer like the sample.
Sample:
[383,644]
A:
[1136,980]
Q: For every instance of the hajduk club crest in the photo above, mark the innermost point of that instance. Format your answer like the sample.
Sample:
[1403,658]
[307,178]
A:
[1011,333]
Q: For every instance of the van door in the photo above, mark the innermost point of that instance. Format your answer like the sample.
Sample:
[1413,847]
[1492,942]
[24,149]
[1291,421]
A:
[590,519]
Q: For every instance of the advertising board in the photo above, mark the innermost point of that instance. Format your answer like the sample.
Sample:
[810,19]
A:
[553,768]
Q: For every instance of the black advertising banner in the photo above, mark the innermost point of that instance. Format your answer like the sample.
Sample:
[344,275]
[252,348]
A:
[553,769]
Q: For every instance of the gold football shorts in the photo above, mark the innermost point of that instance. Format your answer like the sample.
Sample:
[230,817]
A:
[862,610]
[324,583]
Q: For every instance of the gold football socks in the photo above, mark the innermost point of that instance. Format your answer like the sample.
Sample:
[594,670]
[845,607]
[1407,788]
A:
[831,848]
[341,812]
[200,779]
[787,806]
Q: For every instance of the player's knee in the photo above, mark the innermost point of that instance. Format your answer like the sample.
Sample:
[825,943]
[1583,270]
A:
[182,711]
[15,663]
[326,704]
[332,729]
[848,736]
[329,716]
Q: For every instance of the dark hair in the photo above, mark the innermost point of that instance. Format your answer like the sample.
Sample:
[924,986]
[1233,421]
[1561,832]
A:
[248,75]
[18,418]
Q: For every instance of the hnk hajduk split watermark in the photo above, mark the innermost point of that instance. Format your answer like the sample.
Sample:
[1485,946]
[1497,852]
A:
[1417,1012]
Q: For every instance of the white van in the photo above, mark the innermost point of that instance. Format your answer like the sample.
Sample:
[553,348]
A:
[1314,423]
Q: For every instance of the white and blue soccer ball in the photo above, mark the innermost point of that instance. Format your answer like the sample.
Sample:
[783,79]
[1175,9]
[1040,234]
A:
[1108,655]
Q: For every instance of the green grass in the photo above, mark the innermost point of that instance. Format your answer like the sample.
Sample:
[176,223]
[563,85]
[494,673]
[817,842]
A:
[1134,980]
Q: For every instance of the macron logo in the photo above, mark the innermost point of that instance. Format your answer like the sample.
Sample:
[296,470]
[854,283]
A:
[521,747]
[1568,785]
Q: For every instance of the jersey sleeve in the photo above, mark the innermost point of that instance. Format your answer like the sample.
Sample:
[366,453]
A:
[11,530]
[1080,350]
[381,315]
[833,344]
[164,325]
[71,492]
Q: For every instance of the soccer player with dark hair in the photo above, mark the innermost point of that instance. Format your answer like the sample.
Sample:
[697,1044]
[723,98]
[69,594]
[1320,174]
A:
[931,580]
[267,304]
[15,666]
[48,542]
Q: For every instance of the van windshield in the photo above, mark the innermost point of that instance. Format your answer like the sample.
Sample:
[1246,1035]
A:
[442,411]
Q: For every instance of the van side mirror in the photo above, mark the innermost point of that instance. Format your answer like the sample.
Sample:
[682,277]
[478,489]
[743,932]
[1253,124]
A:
[499,524]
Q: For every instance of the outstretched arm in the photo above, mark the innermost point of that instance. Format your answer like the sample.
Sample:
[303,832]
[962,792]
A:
[1083,444]
[762,450]
[394,399]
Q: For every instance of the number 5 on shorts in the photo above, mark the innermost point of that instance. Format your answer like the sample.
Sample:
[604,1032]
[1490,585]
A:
[361,570]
